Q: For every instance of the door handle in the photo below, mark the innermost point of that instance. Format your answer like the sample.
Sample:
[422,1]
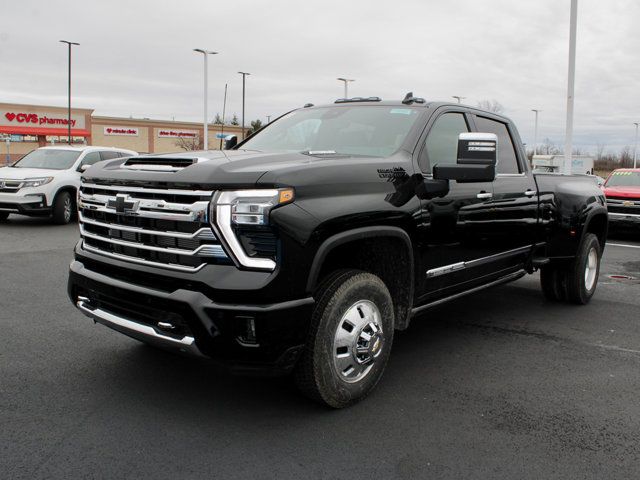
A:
[484,195]
[530,193]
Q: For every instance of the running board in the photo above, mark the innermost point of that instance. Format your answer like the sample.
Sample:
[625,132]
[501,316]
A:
[508,278]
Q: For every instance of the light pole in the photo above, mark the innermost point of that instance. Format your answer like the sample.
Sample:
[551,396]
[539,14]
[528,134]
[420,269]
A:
[346,85]
[535,132]
[459,98]
[206,83]
[69,90]
[268,119]
[568,147]
[244,77]
[635,148]
[224,112]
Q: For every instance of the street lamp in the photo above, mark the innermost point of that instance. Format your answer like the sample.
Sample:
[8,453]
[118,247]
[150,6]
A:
[244,77]
[206,82]
[635,148]
[268,119]
[535,132]
[570,87]
[346,85]
[459,98]
[69,90]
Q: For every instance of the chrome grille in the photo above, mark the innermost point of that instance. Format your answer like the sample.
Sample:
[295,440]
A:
[10,186]
[165,228]
[623,206]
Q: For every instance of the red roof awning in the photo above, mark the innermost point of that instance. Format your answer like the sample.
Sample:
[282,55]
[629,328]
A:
[75,132]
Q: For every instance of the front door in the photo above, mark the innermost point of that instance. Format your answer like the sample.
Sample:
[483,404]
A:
[455,238]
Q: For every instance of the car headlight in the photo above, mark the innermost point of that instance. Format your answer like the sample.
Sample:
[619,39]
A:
[246,208]
[36,182]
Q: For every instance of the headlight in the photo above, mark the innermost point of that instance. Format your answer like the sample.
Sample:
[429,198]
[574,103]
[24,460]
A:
[246,208]
[36,182]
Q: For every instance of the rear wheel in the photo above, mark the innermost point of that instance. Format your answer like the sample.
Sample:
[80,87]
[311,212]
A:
[575,280]
[62,208]
[349,341]
[4,216]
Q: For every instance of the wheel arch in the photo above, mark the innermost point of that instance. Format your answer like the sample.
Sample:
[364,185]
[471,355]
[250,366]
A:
[366,248]
[598,224]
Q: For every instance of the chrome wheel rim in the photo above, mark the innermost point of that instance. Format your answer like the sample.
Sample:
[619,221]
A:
[591,269]
[358,341]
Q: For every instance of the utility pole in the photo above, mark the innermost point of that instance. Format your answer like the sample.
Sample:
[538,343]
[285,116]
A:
[346,85]
[244,77]
[69,90]
[205,128]
[459,98]
[224,110]
[535,132]
[568,141]
[268,119]
[635,148]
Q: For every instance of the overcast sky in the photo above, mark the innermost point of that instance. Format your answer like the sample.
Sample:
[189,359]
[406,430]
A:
[136,58]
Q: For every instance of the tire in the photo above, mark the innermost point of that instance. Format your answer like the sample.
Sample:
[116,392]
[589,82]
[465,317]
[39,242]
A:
[354,310]
[62,208]
[552,280]
[4,216]
[583,271]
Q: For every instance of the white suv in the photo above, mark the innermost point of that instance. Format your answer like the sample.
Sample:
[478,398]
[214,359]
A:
[44,182]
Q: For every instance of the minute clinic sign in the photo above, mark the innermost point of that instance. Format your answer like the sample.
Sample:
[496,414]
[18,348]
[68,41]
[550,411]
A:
[122,131]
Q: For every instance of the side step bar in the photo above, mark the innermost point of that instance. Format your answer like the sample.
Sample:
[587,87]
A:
[138,331]
[499,281]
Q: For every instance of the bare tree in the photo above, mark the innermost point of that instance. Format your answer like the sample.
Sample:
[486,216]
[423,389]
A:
[190,143]
[493,106]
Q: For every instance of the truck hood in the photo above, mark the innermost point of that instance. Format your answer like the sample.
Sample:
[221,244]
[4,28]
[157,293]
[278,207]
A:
[22,173]
[622,192]
[230,167]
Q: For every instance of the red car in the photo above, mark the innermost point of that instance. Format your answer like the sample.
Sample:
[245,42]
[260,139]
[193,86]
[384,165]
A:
[622,190]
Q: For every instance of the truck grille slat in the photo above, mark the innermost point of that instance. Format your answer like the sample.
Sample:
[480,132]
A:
[168,229]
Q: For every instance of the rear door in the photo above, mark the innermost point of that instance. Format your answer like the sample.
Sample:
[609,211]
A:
[455,245]
[515,195]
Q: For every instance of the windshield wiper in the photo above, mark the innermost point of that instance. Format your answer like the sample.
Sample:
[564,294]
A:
[320,152]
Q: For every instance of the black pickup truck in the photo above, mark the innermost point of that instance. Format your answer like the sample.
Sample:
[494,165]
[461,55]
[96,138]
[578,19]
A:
[303,248]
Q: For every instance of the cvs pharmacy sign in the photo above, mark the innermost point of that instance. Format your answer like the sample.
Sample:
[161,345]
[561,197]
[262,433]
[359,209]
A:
[35,118]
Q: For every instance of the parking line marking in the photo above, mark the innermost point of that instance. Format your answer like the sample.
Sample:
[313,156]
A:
[623,245]
[615,348]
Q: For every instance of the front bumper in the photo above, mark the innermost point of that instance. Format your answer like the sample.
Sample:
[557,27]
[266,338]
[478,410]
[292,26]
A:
[190,322]
[624,219]
[35,204]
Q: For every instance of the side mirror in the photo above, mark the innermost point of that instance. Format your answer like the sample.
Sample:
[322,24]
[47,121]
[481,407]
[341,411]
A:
[477,159]
[230,141]
[84,167]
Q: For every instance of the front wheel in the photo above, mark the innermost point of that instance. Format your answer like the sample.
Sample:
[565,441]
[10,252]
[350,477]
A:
[349,341]
[62,208]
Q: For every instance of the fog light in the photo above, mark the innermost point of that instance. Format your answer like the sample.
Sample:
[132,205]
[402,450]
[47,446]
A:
[247,337]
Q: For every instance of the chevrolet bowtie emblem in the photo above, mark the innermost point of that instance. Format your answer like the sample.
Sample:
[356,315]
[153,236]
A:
[627,203]
[123,204]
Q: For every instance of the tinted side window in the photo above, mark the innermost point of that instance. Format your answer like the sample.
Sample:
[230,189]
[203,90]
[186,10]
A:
[507,160]
[441,146]
[109,154]
[91,158]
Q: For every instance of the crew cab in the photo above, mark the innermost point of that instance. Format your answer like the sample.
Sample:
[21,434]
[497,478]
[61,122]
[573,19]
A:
[44,182]
[305,247]
[622,190]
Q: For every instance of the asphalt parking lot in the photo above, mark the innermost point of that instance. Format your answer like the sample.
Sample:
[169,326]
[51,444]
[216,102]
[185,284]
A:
[499,385]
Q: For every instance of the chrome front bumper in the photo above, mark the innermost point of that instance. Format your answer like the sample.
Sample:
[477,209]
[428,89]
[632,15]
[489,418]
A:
[138,331]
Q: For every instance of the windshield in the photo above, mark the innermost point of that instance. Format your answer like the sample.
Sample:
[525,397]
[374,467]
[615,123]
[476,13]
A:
[376,131]
[51,159]
[624,179]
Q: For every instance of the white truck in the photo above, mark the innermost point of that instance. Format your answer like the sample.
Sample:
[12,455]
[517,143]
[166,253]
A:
[44,182]
[580,164]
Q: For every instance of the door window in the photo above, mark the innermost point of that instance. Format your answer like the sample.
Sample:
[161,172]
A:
[109,154]
[91,158]
[441,146]
[507,159]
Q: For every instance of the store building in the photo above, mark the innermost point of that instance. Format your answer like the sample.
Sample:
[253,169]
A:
[26,127]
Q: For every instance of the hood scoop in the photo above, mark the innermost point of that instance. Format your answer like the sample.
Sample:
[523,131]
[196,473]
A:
[159,164]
